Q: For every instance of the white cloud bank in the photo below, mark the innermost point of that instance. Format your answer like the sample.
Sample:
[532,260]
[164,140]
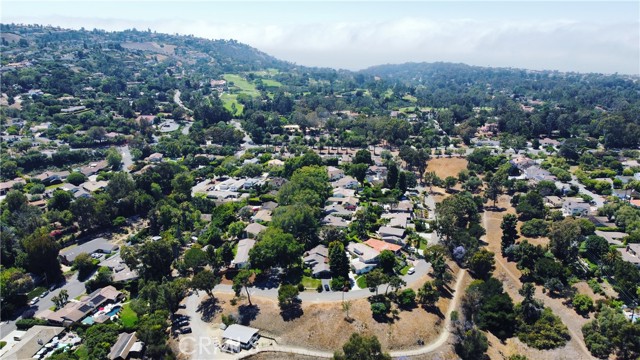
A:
[564,45]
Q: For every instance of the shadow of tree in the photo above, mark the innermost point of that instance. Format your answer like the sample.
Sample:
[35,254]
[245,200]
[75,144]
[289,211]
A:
[291,313]
[208,308]
[247,313]
[434,310]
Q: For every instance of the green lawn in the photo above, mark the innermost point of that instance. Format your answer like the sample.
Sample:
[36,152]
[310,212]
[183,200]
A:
[404,270]
[36,292]
[410,98]
[228,100]
[128,317]
[271,83]
[361,282]
[311,283]
[242,84]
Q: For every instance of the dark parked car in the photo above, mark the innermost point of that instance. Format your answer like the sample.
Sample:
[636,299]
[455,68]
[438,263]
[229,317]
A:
[186,330]
[182,306]
[326,287]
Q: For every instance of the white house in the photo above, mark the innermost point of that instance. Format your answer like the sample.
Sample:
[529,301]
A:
[334,173]
[346,182]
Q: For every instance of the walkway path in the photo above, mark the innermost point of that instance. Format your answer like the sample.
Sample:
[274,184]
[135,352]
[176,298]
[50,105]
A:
[436,344]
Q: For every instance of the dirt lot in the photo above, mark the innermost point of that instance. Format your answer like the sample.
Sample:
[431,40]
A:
[509,274]
[444,167]
[323,326]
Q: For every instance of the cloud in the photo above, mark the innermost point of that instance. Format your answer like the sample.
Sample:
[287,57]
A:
[559,44]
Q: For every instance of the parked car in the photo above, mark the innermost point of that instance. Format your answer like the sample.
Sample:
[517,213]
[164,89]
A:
[326,287]
[182,306]
[186,330]
[45,293]
[53,287]
[411,271]
[34,300]
[182,323]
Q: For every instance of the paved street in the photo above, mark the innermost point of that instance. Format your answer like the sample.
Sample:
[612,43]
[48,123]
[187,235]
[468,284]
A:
[599,200]
[73,286]
[127,160]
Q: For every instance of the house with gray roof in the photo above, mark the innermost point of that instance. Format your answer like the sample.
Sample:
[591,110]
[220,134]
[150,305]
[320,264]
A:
[242,255]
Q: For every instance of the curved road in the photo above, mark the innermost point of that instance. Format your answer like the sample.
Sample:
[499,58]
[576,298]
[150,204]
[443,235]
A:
[434,345]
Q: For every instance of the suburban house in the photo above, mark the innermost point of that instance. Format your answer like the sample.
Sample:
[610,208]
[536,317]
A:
[318,260]
[553,202]
[338,210]
[631,253]
[126,347]
[334,173]
[366,258]
[252,230]
[50,177]
[94,168]
[380,246]
[404,206]
[391,234]
[242,255]
[7,185]
[76,311]
[522,162]
[237,337]
[571,207]
[26,344]
[262,216]
[93,186]
[343,193]
[398,220]
[537,174]
[612,237]
[346,182]
[121,272]
[331,220]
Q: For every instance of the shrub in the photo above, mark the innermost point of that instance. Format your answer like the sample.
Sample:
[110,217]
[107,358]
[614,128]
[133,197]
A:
[300,287]
[379,309]
[534,228]
[582,303]
[407,298]
[548,332]
[228,319]
[25,324]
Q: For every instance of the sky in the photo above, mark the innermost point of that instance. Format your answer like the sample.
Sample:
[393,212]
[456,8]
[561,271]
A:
[583,36]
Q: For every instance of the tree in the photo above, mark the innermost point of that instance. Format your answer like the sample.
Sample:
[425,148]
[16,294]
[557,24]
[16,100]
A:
[497,315]
[61,299]
[428,294]
[430,179]
[564,237]
[84,264]
[509,231]
[42,254]
[205,280]
[120,186]
[195,258]
[449,182]
[471,344]
[530,206]
[114,158]
[298,219]
[181,185]
[582,303]
[361,347]
[387,261]
[394,282]
[374,279]
[402,181]
[155,258]
[441,273]
[338,261]
[610,332]
[530,308]
[288,296]
[407,298]
[482,263]
[243,280]
[392,176]
[596,247]
[494,190]
[61,200]
[346,306]
[84,211]
[362,156]
[275,249]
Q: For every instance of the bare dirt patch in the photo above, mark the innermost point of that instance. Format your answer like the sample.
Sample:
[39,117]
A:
[323,326]
[444,167]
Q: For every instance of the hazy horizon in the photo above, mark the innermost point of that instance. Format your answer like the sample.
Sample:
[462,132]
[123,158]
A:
[585,36]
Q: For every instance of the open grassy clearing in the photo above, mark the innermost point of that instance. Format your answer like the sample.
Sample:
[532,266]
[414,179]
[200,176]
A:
[311,283]
[242,84]
[128,317]
[410,98]
[271,83]
[228,100]
[444,167]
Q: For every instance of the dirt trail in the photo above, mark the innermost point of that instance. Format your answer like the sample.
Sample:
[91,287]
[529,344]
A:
[509,274]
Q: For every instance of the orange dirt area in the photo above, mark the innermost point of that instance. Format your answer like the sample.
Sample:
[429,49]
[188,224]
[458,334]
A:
[444,167]
[322,326]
